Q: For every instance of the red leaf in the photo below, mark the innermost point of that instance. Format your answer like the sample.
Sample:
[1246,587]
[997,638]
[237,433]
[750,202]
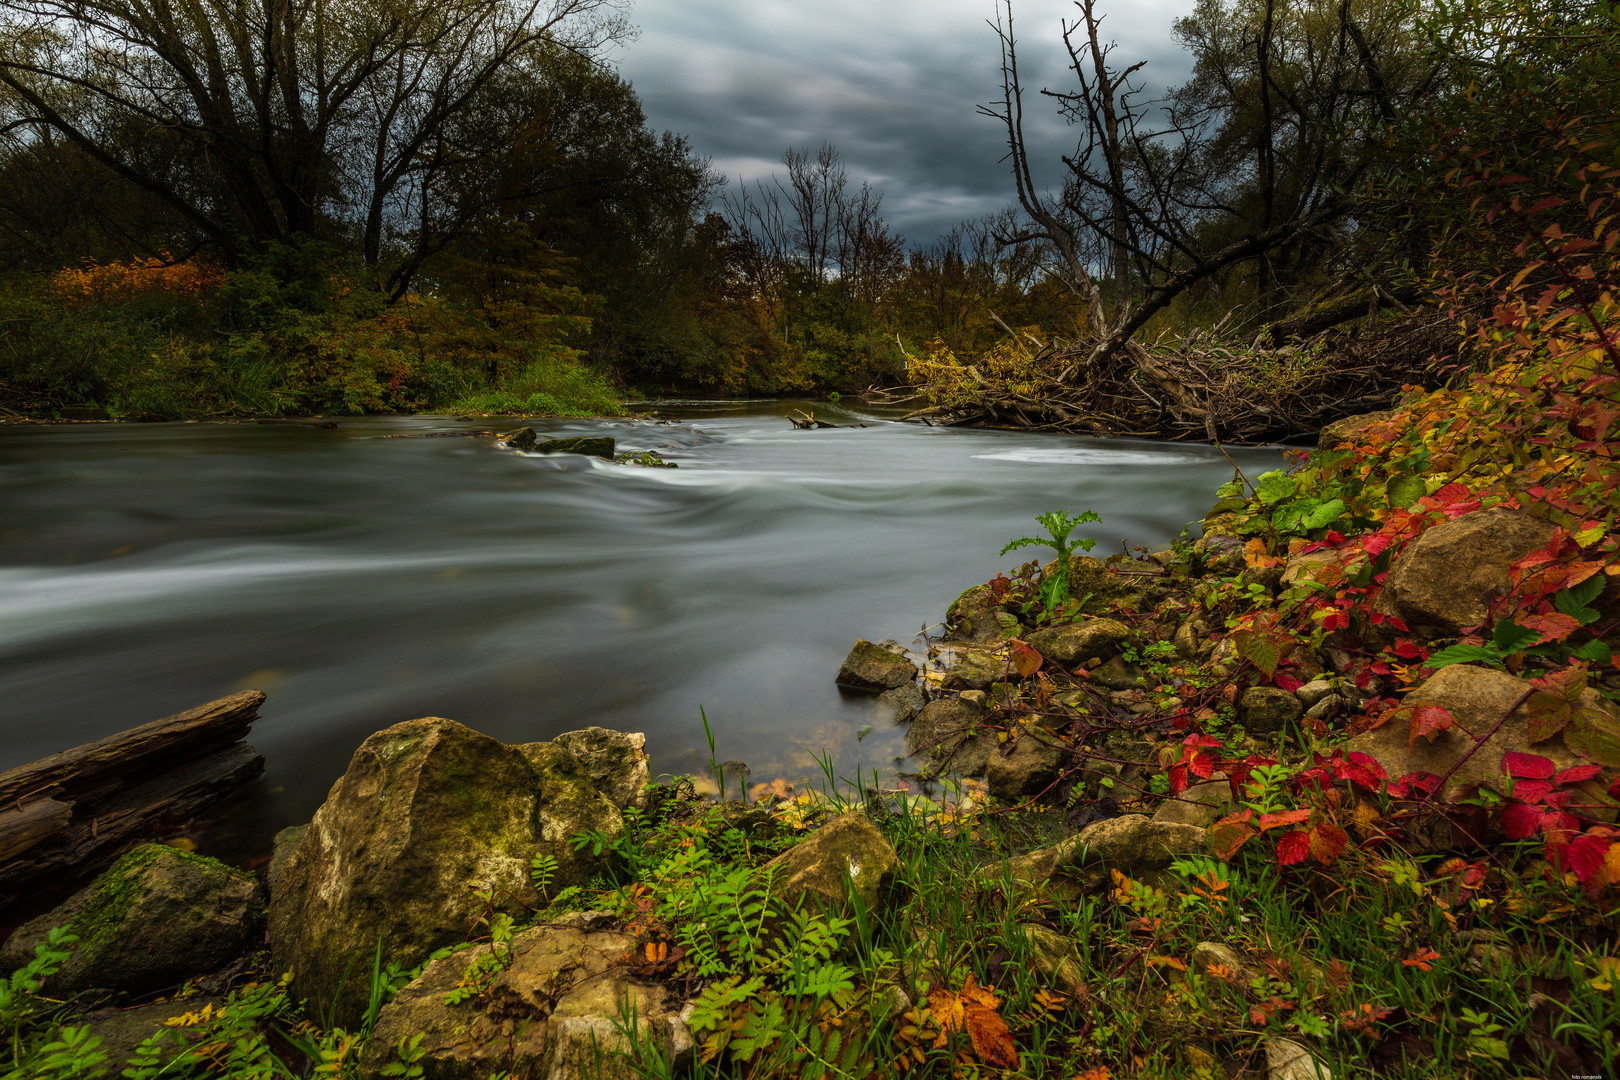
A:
[1288,683]
[1587,855]
[1226,837]
[1532,791]
[1416,781]
[1286,817]
[1202,764]
[1521,820]
[1025,660]
[1327,842]
[1178,779]
[1374,544]
[1576,773]
[1428,721]
[1554,627]
[1293,847]
[1406,650]
[1364,771]
[1528,766]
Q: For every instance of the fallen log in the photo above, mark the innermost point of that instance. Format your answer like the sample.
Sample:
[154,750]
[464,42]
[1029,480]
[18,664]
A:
[63,815]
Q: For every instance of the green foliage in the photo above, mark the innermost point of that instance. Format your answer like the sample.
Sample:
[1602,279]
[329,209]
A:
[1059,525]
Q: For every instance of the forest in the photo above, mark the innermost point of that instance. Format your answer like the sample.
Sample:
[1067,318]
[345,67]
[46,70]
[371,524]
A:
[404,207]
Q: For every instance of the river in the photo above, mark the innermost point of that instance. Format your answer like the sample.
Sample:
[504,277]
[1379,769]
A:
[360,580]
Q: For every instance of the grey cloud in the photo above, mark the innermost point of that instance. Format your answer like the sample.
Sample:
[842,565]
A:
[895,86]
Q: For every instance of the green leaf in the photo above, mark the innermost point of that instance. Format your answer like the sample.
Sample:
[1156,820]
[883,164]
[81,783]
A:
[1275,486]
[1232,489]
[1509,638]
[1573,600]
[1228,504]
[1406,490]
[1595,651]
[1463,654]
[1324,515]
[1594,736]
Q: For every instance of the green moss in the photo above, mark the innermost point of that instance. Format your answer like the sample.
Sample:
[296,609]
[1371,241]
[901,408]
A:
[106,909]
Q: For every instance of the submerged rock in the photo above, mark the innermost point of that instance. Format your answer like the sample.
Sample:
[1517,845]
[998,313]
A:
[157,917]
[523,438]
[871,669]
[429,814]
[905,702]
[600,446]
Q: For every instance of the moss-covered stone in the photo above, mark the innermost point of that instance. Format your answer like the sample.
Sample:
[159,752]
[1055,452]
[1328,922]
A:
[847,856]
[601,446]
[155,918]
[1267,710]
[978,616]
[1081,642]
[871,669]
[429,815]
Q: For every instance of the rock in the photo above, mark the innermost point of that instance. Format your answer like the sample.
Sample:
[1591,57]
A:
[1135,842]
[1349,427]
[1313,691]
[945,731]
[1442,582]
[1207,954]
[871,669]
[1305,567]
[549,1013]
[1131,843]
[904,702]
[1327,708]
[601,446]
[1192,638]
[1031,768]
[978,669]
[156,918]
[1222,555]
[615,761]
[978,617]
[846,855]
[281,849]
[521,439]
[1092,581]
[1288,1060]
[1053,955]
[1199,805]
[1267,577]
[428,812]
[1476,698]
[1076,643]
[122,1031]
[1117,674]
[1267,710]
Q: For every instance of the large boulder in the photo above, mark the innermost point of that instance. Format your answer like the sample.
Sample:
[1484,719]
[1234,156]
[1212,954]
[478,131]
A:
[615,761]
[545,1009]
[1477,698]
[429,815]
[977,616]
[157,917]
[947,731]
[871,669]
[1444,580]
[847,856]
[1081,642]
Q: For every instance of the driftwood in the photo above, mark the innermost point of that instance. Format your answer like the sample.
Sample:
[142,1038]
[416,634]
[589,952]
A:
[1191,389]
[64,814]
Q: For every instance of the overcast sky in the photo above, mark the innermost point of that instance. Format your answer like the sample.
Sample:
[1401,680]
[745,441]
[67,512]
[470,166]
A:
[894,84]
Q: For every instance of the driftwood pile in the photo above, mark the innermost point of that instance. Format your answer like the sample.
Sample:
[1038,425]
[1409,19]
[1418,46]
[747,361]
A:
[1196,389]
[66,814]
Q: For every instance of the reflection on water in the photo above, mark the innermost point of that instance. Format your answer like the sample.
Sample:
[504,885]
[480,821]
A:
[361,581]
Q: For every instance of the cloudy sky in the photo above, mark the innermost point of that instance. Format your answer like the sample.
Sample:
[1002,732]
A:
[894,84]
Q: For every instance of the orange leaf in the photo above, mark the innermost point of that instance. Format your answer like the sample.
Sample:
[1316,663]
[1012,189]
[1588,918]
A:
[1025,660]
[1552,627]
[991,1039]
[1328,842]
[1279,820]
[1426,720]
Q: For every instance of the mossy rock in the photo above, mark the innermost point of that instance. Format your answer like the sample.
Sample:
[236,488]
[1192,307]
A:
[846,857]
[429,815]
[157,917]
[979,617]
[1102,589]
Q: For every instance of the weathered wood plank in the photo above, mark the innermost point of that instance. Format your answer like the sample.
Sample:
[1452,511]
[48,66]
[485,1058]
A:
[95,771]
[147,809]
[22,828]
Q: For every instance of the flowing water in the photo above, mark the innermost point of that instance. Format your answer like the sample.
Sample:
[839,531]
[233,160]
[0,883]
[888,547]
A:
[360,580]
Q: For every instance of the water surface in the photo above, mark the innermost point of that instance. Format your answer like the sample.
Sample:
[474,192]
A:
[360,580]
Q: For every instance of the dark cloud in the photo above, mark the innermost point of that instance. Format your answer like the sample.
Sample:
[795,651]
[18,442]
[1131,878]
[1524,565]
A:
[895,84]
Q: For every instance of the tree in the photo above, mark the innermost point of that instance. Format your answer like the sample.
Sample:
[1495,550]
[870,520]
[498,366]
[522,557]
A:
[283,120]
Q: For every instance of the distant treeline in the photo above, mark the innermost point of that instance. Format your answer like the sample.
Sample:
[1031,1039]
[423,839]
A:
[412,205]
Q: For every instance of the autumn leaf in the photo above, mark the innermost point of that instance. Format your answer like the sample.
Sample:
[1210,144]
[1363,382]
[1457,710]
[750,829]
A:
[1523,766]
[1293,847]
[974,1010]
[991,1039]
[1283,818]
[1422,960]
[1552,627]
[1327,842]
[1025,660]
[1426,720]
[1230,833]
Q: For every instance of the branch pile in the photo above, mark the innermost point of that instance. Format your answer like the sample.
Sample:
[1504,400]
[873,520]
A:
[1199,388]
